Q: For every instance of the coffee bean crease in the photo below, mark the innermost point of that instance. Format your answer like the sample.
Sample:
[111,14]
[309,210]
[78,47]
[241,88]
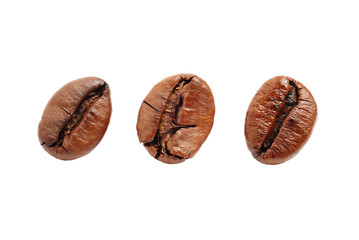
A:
[76,117]
[291,100]
[279,120]
[168,125]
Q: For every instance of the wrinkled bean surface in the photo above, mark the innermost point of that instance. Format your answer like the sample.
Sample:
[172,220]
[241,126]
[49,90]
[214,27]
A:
[176,117]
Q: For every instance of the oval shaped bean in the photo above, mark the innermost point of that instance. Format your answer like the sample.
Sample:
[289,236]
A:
[176,117]
[279,120]
[76,118]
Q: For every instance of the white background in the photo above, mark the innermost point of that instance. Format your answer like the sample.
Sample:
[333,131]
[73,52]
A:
[119,191]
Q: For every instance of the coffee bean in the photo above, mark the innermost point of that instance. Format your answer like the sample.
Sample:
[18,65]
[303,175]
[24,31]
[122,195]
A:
[76,118]
[279,120]
[176,117]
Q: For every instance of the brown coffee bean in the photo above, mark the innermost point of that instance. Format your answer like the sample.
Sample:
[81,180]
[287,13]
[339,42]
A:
[279,120]
[176,117]
[76,118]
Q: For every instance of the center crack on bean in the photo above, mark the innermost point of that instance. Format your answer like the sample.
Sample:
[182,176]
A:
[76,117]
[291,100]
[168,125]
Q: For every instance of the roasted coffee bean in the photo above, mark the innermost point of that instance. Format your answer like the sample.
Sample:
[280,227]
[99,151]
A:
[176,117]
[279,120]
[76,118]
